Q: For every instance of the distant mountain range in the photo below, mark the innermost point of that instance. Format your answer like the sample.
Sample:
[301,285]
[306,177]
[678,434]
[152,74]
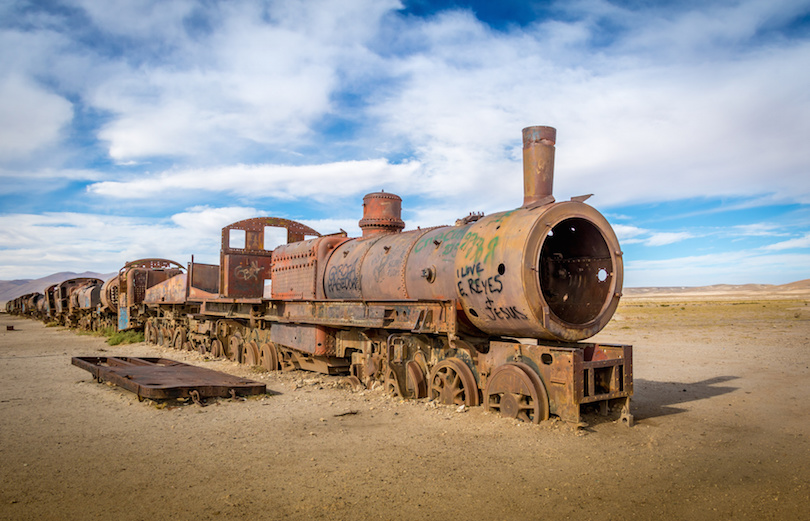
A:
[798,288]
[11,289]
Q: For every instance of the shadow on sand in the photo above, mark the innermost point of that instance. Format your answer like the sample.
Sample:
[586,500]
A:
[654,399]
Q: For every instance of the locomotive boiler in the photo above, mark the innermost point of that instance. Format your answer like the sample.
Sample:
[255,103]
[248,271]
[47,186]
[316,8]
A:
[492,309]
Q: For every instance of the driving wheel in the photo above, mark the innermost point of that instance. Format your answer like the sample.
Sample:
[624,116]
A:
[453,383]
[516,391]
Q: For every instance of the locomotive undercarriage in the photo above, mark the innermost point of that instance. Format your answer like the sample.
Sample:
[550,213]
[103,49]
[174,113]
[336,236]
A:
[412,349]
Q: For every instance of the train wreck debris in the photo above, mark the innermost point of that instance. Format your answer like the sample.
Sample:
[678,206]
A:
[163,379]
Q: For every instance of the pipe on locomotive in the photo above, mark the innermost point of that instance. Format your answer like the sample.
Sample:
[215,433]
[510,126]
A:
[547,270]
[538,163]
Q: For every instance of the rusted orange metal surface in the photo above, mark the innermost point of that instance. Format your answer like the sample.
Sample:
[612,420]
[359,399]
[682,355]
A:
[170,291]
[382,214]
[109,295]
[246,267]
[161,378]
[553,272]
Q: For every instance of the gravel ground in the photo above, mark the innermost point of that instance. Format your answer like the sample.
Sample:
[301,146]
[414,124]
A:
[721,433]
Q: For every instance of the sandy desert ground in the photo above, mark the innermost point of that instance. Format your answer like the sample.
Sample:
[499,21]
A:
[722,432]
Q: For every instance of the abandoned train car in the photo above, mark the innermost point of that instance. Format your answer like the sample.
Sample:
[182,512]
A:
[493,310]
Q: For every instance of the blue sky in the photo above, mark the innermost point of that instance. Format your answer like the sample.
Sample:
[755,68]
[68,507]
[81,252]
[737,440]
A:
[138,128]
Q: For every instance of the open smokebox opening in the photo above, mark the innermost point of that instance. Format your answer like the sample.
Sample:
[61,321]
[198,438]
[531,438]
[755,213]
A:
[575,271]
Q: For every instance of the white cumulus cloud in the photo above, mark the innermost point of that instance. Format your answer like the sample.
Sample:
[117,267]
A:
[31,117]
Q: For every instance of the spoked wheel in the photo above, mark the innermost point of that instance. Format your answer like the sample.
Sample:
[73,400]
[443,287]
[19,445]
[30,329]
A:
[415,381]
[516,391]
[216,349]
[287,359]
[268,357]
[166,334]
[235,348]
[150,334]
[159,332]
[179,339]
[452,383]
[250,353]
[392,383]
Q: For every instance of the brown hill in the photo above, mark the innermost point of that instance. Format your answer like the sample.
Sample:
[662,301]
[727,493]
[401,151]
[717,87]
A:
[799,288]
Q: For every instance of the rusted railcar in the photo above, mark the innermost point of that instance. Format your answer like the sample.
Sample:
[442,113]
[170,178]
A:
[66,310]
[49,304]
[90,303]
[134,280]
[25,305]
[84,301]
[493,310]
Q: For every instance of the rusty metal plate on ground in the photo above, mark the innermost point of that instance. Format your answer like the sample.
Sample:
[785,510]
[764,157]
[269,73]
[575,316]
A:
[161,378]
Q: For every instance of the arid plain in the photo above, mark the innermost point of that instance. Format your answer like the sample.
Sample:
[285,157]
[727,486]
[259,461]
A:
[721,432]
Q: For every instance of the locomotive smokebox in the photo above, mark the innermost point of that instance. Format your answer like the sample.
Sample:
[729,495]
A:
[382,214]
[538,164]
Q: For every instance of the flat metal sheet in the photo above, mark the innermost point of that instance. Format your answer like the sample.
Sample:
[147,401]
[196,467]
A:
[161,378]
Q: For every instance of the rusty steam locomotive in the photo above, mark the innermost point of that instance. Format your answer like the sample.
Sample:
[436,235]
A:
[492,310]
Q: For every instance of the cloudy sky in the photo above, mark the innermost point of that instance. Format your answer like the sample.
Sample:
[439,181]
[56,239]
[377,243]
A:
[138,128]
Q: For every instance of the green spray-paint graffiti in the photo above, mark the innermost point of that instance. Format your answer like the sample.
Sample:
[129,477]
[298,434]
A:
[473,247]
[447,241]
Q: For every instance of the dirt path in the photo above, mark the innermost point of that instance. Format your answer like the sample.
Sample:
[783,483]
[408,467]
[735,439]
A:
[721,433]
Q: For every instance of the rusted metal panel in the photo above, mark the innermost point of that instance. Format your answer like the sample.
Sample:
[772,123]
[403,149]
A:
[417,317]
[433,259]
[161,378]
[244,274]
[232,308]
[246,267]
[139,280]
[171,291]
[295,270]
[316,340]
[196,295]
[384,266]
[204,277]
[342,278]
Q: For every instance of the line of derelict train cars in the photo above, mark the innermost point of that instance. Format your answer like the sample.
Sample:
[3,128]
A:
[492,310]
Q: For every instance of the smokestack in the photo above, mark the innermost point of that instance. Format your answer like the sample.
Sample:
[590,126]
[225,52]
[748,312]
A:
[382,214]
[538,164]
